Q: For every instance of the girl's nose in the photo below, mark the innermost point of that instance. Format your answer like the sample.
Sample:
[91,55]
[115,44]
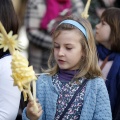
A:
[97,26]
[61,52]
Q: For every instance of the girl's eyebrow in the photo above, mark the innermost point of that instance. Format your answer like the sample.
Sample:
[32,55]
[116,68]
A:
[55,43]
[68,44]
[65,43]
[102,20]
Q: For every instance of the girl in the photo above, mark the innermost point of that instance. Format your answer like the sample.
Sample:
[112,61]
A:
[108,37]
[72,66]
[9,94]
[38,13]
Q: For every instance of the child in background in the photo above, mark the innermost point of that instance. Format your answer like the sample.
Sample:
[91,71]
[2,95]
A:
[9,94]
[73,66]
[108,38]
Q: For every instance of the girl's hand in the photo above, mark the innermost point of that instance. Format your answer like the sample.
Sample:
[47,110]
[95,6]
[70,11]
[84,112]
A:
[31,114]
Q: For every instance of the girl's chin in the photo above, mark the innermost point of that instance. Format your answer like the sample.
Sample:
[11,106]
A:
[63,67]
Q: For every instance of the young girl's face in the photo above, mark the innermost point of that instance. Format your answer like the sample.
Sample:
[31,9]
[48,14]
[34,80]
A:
[68,50]
[102,35]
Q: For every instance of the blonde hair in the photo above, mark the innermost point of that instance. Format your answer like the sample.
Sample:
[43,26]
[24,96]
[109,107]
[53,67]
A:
[89,67]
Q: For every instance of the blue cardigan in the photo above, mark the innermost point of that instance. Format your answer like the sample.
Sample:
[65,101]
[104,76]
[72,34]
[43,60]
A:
[96,101]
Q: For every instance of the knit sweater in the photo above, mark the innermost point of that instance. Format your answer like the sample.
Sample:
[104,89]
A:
[96,101]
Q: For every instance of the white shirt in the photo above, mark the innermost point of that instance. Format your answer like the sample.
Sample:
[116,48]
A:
[9,94]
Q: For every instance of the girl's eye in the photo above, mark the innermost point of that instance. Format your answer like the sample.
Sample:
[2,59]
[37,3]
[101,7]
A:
[103,23]
[68,48]
[56,46]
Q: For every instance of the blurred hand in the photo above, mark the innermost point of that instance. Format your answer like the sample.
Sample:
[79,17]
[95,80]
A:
[31,114]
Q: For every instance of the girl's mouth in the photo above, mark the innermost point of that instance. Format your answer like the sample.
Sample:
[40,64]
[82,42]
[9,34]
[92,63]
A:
[61,61]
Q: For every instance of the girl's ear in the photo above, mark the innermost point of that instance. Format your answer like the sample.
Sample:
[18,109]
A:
[83,55]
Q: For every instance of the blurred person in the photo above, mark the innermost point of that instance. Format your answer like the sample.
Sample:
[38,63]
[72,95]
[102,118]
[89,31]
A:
[108,38]
[39,15]
[20,6]
[97,7]
[9,94]
[74,88]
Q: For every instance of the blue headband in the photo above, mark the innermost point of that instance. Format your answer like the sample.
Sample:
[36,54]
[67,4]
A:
[76,24]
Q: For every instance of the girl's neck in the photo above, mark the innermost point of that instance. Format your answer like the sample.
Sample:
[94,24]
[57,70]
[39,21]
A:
[67,74]
[107,45]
